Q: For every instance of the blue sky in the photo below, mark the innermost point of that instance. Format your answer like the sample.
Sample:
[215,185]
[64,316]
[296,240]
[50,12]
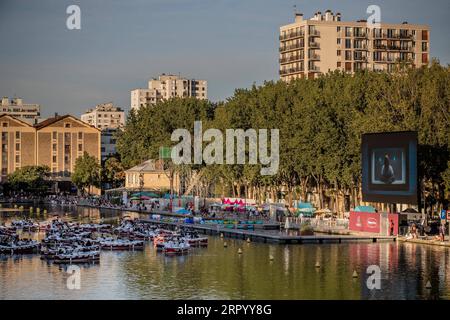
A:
[121,44]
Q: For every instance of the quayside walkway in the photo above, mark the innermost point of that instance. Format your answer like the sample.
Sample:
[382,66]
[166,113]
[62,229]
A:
[273,236]
[426,241]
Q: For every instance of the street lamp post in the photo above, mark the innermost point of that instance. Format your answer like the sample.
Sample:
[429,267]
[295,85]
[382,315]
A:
[141,187]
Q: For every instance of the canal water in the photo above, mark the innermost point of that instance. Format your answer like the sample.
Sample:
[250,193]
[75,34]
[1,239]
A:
[217,272]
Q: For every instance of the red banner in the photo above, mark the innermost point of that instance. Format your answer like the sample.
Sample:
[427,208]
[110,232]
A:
[364,222]
[371,222]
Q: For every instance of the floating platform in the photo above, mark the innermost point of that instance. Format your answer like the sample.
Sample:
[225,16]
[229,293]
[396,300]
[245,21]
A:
[280,238]
[11,209]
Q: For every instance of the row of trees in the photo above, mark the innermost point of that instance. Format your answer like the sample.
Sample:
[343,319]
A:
[321,122]
[87,173]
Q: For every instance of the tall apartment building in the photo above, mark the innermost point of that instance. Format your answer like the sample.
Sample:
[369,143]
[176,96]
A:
[29,112]
[55,142]
[325,43]
[104,116]
[166,87]
[109,119]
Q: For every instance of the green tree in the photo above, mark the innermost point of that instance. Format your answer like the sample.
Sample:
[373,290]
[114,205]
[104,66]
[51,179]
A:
[30,179]
[86,172]
[113,172]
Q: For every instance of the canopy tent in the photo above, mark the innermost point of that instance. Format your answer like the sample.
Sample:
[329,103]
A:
[145,194]
[167,196]
[324,211]
[238,201]
[410,210]
[183,211]
[365,209]
[306,209]
[140,198]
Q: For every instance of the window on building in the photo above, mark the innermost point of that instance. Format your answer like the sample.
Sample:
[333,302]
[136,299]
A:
[424,58]
[54,159]
[348,66]
[66,125]
[80,147]
[338,53]
[54,147]
[424,46]
[348,55]
[339,64]
[348,31]
[424,35]
[54,135]
[338,40]
[80,135]
[390,33]
[348,43]
[17,146]
[17,134]
[4,124]
[17,158]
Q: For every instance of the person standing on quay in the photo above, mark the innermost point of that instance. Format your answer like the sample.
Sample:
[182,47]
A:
[442,232]
[392,227]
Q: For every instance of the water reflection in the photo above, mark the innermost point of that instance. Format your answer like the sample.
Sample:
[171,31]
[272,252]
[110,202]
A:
[221,273]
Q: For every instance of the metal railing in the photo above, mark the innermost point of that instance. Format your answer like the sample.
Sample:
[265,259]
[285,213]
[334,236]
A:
[291,70]
[291,47]
[292,58]
[291,35]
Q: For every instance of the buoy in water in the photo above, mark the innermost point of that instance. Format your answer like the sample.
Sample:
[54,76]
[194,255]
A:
[428,285]
[221,235]
[239,251]
[317,264]
[248,240]
[355,274]
[271,258]
[225,245]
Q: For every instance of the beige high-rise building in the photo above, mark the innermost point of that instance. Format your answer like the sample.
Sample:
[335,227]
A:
[310,47]
[166,87]
[105,116]
[29,112]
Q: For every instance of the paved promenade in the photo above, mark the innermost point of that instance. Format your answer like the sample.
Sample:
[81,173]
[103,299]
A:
[426,241]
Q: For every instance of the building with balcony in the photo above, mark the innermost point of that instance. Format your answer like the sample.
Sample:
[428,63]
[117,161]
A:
[108,118]
[166,87]
[56,143]
[324,43]
[104,116]
[28,112]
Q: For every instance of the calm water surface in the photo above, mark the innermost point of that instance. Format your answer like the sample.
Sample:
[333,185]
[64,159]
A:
[220,273]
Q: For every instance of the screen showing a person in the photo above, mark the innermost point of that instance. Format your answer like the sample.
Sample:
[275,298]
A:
[389,167]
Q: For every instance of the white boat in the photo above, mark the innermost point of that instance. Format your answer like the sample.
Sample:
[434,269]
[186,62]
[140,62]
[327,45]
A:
[176,246]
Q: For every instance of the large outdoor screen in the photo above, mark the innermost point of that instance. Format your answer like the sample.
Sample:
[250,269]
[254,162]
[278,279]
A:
[389,167]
